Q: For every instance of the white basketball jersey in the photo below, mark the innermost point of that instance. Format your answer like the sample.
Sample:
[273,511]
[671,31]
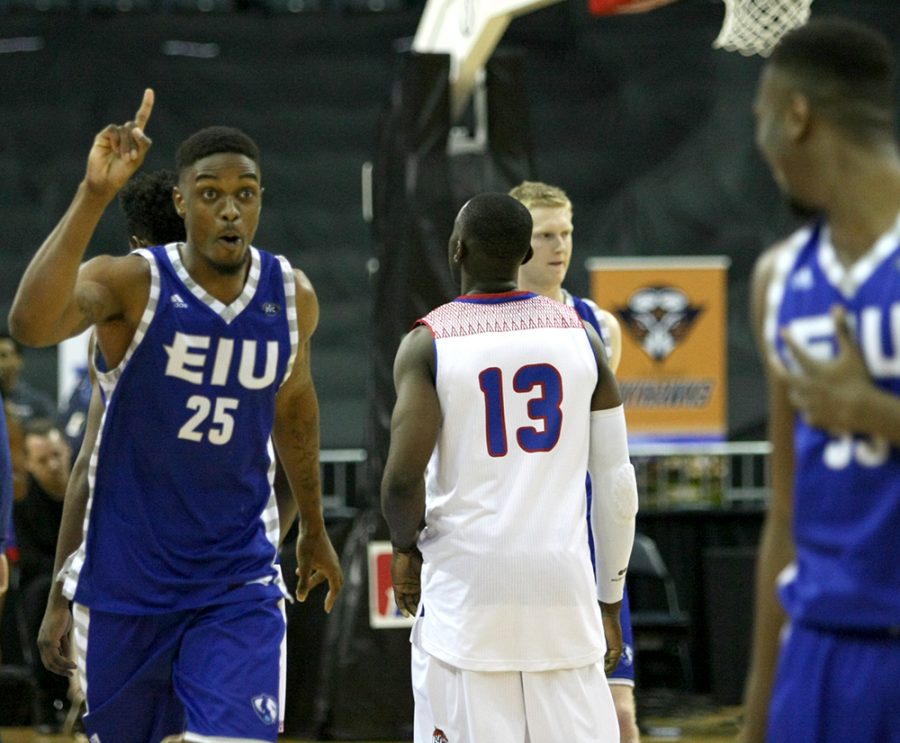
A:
[507,582]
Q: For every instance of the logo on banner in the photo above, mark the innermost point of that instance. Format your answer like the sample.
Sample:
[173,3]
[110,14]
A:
[658,318]
[438,736]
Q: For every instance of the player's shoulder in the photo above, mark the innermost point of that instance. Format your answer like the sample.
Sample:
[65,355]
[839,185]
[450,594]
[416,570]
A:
[124,273]
[780,253]
[588,301]
[134,262]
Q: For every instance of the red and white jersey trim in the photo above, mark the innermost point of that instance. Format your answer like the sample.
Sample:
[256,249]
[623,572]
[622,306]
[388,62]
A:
[519,312]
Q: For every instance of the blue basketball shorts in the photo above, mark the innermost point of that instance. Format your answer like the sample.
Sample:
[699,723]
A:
[212,673]
[834,687]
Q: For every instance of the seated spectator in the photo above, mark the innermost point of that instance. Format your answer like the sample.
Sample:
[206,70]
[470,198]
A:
[37,518]
[22,400]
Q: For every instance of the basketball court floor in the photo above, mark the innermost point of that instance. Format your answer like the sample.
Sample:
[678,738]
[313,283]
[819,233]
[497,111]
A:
[707,726]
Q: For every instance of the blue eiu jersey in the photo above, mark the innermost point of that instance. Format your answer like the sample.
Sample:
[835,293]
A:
[847,487]
[624,670]
[182,510]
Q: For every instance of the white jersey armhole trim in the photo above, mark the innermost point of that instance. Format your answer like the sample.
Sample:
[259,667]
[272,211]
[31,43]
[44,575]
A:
[290,301]
[109,378]
[784,262]
[848,280]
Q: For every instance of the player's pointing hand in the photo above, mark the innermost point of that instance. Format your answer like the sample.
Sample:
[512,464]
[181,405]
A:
[118,151]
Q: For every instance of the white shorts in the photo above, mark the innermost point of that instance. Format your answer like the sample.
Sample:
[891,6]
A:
[457,706]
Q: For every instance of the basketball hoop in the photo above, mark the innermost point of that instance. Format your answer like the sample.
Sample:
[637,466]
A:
[755,26]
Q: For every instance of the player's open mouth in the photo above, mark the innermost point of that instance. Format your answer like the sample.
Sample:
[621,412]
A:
[232,240]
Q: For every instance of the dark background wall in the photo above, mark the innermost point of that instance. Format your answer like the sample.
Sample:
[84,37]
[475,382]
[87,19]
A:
[647,127]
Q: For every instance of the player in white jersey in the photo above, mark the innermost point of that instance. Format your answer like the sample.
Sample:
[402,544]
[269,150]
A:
[827,316]
[506,399]
[551,241]
[177,589]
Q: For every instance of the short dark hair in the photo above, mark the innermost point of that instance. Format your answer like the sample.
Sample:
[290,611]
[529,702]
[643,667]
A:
[497,225]
[146,201]
[212,141]
[40,427]
[846,69]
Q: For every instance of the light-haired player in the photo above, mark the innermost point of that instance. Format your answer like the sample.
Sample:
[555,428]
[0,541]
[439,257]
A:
[551,241]
[506,399]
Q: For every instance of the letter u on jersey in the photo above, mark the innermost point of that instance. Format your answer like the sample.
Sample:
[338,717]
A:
[879,344]
[192,359]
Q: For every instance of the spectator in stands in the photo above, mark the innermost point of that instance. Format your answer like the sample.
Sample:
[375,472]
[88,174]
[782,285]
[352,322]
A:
[37,518]
[22,400]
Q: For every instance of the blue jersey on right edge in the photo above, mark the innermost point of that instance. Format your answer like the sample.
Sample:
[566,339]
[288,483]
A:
[847,487]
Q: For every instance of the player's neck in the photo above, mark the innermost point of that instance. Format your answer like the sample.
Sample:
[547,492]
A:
[489,286]
[865,206]
[226,286]
[553,291]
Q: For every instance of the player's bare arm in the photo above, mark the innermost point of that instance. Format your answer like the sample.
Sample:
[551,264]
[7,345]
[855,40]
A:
[776,544]
[296,437]
[415,424]
[17,454]
[308,320]
[71,299]
[606,393]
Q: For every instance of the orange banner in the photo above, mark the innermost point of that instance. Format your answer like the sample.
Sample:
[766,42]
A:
[674,313]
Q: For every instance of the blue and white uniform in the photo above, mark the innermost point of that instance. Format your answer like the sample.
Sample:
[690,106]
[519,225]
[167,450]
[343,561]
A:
[623,673]
[840,667]
[180,548]
[588,310]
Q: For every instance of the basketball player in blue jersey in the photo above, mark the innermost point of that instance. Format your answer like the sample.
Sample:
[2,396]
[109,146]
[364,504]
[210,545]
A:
[179,621]
[827,314]
[504,400]
[151,219]
[551,241]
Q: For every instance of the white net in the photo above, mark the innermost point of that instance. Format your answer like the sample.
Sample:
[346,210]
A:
[755,26]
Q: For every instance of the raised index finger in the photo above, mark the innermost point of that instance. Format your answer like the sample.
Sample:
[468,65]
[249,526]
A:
[143,113]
